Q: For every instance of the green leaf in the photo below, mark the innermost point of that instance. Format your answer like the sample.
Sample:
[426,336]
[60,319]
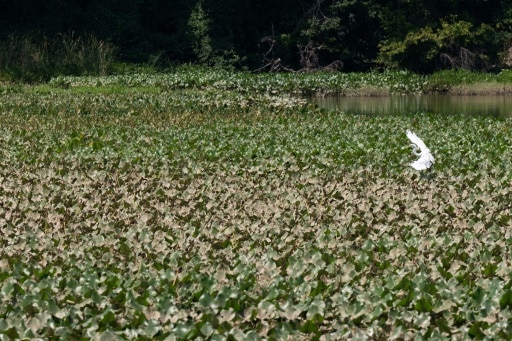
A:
[207,329]
[444,305]
[152,328]
[296,266]
[506,299]
[205,300]
[316,310]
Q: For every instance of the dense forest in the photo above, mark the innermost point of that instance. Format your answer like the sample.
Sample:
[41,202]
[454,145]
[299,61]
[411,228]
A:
[353,35]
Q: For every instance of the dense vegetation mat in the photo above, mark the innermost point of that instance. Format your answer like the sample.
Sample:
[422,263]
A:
[184,215]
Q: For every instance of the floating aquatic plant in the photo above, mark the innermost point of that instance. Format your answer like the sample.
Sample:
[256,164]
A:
[206,215]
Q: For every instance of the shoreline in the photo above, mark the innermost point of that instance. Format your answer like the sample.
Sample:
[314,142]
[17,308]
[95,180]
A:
[371,84]
[481,89]
[477,89]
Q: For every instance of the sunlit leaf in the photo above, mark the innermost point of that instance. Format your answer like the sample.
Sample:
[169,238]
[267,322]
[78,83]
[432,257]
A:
[229,209]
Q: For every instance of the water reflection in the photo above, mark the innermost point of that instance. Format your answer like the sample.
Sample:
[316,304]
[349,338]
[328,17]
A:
[496,106]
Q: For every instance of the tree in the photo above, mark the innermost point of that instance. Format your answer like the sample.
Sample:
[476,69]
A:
[422,35]
[428,35]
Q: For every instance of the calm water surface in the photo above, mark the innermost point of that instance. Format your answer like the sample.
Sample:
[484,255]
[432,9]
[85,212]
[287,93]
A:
[497,106]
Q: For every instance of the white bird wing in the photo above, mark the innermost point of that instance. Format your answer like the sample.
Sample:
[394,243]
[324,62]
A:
[417,141]
[425,161]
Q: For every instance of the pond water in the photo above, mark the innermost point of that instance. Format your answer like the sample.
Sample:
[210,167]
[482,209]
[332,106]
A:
[485,105]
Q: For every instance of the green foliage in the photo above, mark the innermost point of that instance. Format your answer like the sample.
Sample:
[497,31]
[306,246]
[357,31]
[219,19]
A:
[505,76]
[462,34]
[321,83]
[323,31]
[230,33]
[192,78]
[200,27]
[475,82]
[425,46]
[31,58]
[237,214]
[458,76]
[203,46]
[443,81]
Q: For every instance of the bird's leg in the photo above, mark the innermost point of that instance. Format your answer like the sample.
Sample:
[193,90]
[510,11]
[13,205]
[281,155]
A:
[427,174]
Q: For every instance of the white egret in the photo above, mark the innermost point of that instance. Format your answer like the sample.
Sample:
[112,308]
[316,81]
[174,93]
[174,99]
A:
[426,159]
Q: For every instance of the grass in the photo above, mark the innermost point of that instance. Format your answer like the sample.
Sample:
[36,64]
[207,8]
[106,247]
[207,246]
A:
[33,58]
[463,82]
[191,212]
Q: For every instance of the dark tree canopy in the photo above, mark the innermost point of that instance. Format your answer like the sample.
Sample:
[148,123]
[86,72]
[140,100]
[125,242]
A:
[422,35]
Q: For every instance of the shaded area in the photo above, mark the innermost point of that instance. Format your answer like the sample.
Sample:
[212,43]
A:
[423,36]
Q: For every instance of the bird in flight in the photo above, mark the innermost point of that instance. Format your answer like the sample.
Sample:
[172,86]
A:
[426,159]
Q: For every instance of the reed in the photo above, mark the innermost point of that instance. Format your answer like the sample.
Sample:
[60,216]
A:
[32,58]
